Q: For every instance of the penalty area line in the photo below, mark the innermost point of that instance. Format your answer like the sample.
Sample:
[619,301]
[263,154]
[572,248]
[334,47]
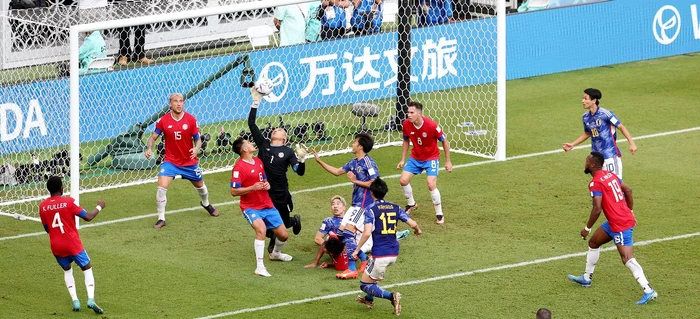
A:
[450,276]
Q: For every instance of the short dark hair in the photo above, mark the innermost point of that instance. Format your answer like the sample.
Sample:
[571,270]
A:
[544,313]
[415,104]
[594,94]
[334,245]
[54,184]
[237,144]
[366,141]
[598,159]
[378,188]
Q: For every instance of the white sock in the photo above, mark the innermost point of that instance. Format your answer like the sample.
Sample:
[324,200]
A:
[591,260]
[278,246]
[161,200]
[259,252]
[89,283]
[408,194]
[638,274]
[203,194]
[437,202]
[70,283]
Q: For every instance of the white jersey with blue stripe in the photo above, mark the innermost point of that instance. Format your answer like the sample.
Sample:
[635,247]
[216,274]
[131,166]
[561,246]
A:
[602,126]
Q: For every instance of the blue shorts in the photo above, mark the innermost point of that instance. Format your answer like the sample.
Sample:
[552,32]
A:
[192,173]
[623,238]
[81,259]
[270,216]
[416,167]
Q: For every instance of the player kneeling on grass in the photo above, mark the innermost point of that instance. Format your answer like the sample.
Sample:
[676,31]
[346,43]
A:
[57,214]
[327,238]
[248,180]
[615,200]
[380,223]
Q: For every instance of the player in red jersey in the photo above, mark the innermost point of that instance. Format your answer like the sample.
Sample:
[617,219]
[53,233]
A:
[615,200]
[248,180]
[424,134]
[182,143]
[58,214]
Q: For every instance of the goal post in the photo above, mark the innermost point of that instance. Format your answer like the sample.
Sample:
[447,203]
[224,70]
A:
[324,93]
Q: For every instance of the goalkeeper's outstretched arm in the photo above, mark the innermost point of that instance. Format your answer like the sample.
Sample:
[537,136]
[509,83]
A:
[258,138]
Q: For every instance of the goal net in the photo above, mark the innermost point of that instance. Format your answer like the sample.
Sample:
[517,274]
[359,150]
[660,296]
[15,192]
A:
[62,101]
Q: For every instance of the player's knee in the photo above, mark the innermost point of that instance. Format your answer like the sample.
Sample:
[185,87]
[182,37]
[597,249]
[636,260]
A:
[282,234]
[404,181]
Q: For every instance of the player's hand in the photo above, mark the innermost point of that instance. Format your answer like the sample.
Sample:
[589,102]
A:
[324,265]
[193,152]
[101,203]
[568,146]
[148,153]
[266,185]
[448,166]
[259,186]
[312,265]
[301,152]
[418,232]
[633,148]
[400,165]
[584,233]
[351,176]
[316,157]
[354,255]
[257,97]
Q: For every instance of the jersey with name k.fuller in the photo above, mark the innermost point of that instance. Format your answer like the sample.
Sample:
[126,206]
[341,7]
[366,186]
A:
[608,185]
[58,213]
[383,216]
[602,125]
[178,136]
[245,174]
[424,139]
[365,169]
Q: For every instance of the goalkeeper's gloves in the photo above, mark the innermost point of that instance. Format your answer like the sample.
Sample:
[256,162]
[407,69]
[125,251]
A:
[257,97]
[301,152]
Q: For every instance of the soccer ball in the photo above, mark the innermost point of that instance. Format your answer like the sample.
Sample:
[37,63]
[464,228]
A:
[263,86]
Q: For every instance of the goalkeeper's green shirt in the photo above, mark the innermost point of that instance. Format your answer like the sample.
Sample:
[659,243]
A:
[94,47]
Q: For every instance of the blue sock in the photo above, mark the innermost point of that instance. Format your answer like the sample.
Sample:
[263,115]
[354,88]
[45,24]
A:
[373,290]
[362,256]
[351,265]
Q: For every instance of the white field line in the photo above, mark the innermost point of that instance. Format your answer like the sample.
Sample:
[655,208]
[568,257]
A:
[450,276]
[308,190]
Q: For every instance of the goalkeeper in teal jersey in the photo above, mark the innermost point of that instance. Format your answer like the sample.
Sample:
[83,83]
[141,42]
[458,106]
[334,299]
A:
[94,47]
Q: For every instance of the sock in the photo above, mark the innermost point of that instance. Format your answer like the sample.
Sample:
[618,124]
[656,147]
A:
[161,200]
[591,260]
[408,193]
[371,289]
[203,194]
[362,255]
[89,283]
[259,252]
[278,246]
[350,246]
[437,202]
[638,274]
[70,283]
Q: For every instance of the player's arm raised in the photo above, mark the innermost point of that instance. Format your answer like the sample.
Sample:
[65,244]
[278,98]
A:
[584,136]
[628,136]
[149,144]
[337,171]
[596,208]
[93,213]
[628,195]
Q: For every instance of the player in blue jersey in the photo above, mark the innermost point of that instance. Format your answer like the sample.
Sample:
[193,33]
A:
[381,218]
[329,227]
[361,171]
[601,126]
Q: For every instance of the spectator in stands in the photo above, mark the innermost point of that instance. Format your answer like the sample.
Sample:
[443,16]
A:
[291,21]
[94,47]
[434,12]
[367,17]
[125,51]
[333,21]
